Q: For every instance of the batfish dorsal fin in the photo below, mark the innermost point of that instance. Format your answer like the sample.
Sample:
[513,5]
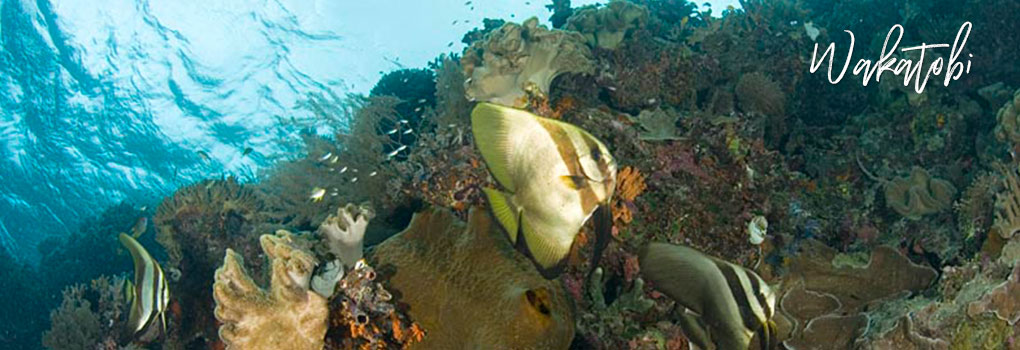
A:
[493,127]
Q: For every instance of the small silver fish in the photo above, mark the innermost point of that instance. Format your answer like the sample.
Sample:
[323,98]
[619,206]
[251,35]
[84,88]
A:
[355,179]
[203,155]
[140,226]
[372,174]
[317,194]
[326,157]
[391,132]
[343,170]
[408,131]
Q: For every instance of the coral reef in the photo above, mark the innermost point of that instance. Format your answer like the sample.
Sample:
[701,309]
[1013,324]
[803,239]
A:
[287,315]
[90,316]
[195,226]
[605,27]
[1007,204]
[521,59]
[758,93]
[1008,129]
[363,316]
[481,293]
[918,194]
[345,232]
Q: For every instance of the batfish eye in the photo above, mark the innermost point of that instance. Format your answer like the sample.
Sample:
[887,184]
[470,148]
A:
[596,154]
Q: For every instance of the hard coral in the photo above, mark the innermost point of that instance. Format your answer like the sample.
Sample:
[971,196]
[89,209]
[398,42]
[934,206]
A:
[89,317]
[195,226]
[521,59]
[758,93]
[830,306]
[363,315]
[1008,116]
[1007,204]
[918,194]
[481,293]
[606,27]
[1003,301]
[287,316]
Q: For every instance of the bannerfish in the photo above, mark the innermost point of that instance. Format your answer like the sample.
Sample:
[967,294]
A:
[555,175]
[727,305]
[148,295]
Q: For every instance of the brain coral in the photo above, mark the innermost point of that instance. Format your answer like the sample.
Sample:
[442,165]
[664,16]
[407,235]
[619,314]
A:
[517,59]
[287,316]
[481,293]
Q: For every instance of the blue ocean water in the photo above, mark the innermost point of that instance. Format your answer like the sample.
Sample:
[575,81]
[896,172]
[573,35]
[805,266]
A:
[102,104]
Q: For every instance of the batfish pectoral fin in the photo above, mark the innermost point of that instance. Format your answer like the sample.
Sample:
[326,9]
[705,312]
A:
[491,125]
[603,217]
[505,212]
[549,260]
[695,330]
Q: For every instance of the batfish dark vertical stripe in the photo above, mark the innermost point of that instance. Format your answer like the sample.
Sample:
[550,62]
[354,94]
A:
[756,288]
[569,154]
[737,293]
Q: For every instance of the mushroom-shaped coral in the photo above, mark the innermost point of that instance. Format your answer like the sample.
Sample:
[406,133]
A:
[518,59]
[1008,117]
[287,316]
[918,194]
[482,294]
[345,232]
[606,27]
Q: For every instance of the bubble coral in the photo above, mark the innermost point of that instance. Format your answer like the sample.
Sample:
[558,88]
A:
[481,292]
[918,194]
[606,27]
[521,59]
[289,315]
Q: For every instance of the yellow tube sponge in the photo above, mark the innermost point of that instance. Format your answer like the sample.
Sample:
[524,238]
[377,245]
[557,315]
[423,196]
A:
[287,316]
[521,59]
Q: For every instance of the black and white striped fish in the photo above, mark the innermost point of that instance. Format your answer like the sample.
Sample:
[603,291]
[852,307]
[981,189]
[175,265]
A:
[728,307]
[149,295]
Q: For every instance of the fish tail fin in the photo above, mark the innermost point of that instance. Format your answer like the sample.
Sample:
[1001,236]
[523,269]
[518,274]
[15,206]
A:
[505,211]
[549,257]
